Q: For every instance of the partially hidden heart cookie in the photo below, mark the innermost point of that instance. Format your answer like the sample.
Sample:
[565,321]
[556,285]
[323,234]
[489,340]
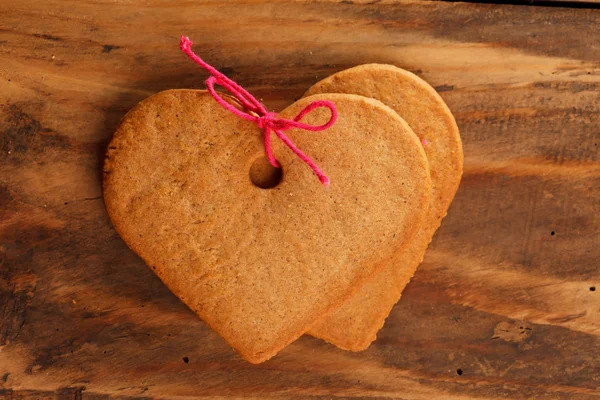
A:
[261,265]
[355,324]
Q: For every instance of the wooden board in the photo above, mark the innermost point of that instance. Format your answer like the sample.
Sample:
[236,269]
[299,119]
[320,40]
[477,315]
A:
[504,304]
[540,3]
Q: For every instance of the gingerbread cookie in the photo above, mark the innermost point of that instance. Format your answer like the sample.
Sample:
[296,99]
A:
[260,265]
[355,324]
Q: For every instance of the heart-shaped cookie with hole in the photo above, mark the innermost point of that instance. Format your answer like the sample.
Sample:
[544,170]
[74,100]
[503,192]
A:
[261,257]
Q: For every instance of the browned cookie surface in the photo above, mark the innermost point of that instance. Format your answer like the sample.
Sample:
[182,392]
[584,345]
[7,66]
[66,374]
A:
[260,265]
[354,325]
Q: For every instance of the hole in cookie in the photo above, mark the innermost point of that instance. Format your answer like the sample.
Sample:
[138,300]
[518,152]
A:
[264,175]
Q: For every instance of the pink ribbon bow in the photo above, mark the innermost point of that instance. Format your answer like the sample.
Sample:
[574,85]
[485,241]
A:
[257,113]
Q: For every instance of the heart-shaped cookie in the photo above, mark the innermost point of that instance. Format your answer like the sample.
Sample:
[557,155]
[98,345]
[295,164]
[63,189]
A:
[261,265]
[355,324]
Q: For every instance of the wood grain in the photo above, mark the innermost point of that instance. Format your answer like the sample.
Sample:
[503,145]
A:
[504,296]
[542,3]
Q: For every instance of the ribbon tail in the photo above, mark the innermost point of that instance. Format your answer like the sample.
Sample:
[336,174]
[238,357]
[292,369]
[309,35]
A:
[269,149]
[322,177]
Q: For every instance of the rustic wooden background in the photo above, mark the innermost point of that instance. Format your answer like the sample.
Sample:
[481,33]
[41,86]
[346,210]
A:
[507,301]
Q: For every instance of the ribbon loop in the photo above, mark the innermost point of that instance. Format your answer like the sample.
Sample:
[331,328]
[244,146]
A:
[257,112]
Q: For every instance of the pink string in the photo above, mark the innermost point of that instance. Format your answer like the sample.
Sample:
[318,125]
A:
[257,113]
